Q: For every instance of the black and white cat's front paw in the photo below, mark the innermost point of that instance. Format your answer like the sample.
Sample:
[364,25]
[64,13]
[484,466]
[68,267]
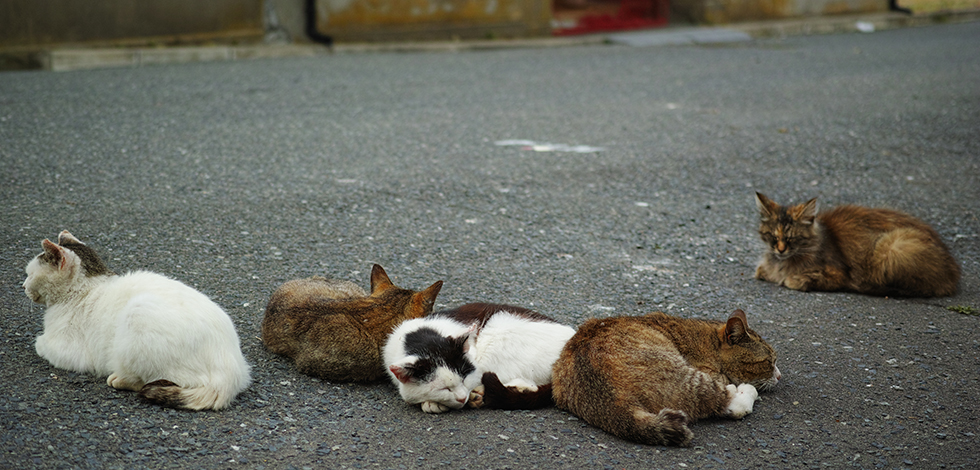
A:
[476,397]
[434,407]
[521,386]
[742,400]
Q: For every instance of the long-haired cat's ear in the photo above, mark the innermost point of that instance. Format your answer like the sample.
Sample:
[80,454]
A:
[422,302]
[379,279]
[402,372]
[765,205]
[735,328]
[66,237]
[808,211]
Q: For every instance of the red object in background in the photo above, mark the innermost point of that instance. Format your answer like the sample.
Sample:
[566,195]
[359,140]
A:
[631,14]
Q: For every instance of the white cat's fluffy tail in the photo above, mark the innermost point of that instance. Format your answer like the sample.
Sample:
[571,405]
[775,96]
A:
[169,394]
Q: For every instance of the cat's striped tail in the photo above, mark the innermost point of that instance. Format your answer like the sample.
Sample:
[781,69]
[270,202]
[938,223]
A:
[168,394]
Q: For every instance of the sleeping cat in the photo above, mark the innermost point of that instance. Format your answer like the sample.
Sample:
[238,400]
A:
[146,332]
[853,248]
[645,378]
[443,360]
[335,330]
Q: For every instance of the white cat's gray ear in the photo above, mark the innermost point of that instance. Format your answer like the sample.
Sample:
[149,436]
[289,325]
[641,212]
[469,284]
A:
[66,237]
[402,371]
[54,254]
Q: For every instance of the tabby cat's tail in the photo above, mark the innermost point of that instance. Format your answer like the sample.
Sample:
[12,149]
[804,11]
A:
[498,396]
[168,394]
[668,427]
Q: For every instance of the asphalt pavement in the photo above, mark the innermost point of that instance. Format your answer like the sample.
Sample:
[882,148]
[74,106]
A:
[583,181]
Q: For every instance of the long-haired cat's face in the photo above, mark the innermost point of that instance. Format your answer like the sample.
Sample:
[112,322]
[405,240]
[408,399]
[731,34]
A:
[787,231]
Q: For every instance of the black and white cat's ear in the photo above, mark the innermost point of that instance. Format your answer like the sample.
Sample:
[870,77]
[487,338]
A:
[403,371]
[66,237]
[737,327]
[766,207]
[379,279]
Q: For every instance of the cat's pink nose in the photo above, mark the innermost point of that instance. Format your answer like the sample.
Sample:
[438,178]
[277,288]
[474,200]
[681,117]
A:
[461,400]
[777,374]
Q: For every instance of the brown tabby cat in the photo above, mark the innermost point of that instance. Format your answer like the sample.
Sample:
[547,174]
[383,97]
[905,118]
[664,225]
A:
[645,378]
[853,248]
[335,330]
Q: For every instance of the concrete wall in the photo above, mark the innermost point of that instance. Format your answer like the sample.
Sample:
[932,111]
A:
[729,11]
[375,20]
[39,23]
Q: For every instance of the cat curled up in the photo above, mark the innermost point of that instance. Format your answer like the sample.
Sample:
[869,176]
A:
[483,355]
[852,248]
[146,332]
[645,378]
[334,330]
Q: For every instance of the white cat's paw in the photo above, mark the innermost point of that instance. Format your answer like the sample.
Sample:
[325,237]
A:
[522,386]
[742,399]
[124,383]
[434,407]
[476,397]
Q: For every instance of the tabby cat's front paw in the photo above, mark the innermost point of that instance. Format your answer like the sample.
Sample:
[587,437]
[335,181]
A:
[434,407]
[742,399]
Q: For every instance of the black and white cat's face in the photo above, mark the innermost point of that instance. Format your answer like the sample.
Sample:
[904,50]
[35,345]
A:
[435,369]
[58,266]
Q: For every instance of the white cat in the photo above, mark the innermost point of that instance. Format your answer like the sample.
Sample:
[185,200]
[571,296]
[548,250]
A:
[146,332]
[482,354]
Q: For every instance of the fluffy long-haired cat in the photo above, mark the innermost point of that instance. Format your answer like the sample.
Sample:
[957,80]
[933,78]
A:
[489,355]
[645,378]
[853,248]
[334,330]
[146,332]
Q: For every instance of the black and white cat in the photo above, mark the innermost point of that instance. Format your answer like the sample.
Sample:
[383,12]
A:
[450,358]
[146,332]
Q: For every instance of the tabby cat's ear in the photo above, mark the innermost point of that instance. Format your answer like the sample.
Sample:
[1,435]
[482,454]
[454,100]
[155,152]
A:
[422,302]
[66,237]
[379,279]
[766,207]
[403,371]
[736,327]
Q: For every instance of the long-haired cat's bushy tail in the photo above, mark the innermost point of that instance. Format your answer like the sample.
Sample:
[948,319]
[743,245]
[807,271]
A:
[497,395]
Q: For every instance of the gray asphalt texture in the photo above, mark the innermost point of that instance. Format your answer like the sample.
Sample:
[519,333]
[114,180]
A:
[235,177]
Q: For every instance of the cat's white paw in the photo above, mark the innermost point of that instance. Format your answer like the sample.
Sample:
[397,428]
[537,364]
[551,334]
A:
[124,383]
[476,397]
[434,407]
[522,386]
[742,399]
